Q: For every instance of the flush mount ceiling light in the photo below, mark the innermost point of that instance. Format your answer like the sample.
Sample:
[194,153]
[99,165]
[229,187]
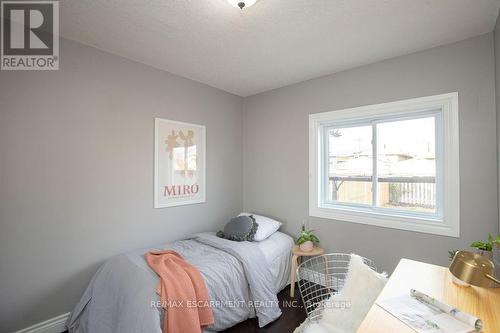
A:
[242,3]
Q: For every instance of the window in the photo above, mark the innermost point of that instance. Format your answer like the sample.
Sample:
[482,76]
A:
[392,165]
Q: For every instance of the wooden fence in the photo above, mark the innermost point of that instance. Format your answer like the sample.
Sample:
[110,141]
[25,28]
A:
[393,191]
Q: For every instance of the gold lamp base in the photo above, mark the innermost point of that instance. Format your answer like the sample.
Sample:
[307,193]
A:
[473,268]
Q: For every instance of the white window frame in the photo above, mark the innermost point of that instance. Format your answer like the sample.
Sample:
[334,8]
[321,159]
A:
[446,221]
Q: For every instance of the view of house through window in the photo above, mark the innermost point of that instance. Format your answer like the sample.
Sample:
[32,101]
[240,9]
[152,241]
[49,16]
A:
[350,165]
[401,176]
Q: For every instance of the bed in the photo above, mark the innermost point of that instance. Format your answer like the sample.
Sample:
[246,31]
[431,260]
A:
[121,296]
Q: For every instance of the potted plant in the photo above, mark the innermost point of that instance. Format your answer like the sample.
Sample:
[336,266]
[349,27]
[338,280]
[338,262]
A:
[486,248]
[307,239]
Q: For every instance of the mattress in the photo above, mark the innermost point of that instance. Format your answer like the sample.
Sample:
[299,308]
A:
[277,250]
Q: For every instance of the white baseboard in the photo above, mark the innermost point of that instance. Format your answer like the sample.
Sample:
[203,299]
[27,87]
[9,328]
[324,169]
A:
[53,325]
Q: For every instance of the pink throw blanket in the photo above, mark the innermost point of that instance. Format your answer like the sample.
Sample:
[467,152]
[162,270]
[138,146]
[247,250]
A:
[182,291]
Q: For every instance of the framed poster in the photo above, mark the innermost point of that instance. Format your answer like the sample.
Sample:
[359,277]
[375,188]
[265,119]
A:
[179,163]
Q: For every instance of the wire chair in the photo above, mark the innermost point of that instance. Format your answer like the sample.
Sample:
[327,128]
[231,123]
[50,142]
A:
[322,276]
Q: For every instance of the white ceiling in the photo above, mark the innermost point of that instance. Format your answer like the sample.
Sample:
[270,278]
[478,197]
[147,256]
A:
[273,43]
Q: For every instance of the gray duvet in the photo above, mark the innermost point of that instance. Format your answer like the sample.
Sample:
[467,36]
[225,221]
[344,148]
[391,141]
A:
[121,296]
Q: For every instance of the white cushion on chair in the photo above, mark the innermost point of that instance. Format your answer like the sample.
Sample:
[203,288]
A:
[345,311]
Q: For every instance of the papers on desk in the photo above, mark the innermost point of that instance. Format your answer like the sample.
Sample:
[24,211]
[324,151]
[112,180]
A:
[424,314]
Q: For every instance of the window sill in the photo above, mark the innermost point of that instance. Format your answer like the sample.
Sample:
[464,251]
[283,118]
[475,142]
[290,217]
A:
[408,223]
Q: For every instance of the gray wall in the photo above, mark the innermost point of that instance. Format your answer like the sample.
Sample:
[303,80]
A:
[497,86]
[275,143]
[76,168]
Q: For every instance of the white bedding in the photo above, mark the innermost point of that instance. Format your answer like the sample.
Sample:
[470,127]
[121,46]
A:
[277,250]
[120,295]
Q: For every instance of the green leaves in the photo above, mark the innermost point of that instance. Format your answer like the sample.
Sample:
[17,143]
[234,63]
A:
[488,245]
[481,246]
[307,235]
[451,254]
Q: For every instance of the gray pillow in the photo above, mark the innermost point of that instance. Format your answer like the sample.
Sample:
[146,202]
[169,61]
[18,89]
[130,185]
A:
[241,228]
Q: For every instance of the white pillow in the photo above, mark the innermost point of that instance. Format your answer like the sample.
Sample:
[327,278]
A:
[345,311]
[267,226]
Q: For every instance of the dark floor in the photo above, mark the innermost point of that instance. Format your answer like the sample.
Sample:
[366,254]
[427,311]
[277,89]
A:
[293,315]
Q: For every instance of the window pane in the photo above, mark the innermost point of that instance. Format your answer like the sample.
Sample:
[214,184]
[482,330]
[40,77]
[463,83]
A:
[350,165]
[406,165]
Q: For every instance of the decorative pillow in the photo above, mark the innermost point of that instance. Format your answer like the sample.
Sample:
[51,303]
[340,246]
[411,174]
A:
[267,226]
[241,228]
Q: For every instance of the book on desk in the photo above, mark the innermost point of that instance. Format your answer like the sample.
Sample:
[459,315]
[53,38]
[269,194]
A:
[425,314]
